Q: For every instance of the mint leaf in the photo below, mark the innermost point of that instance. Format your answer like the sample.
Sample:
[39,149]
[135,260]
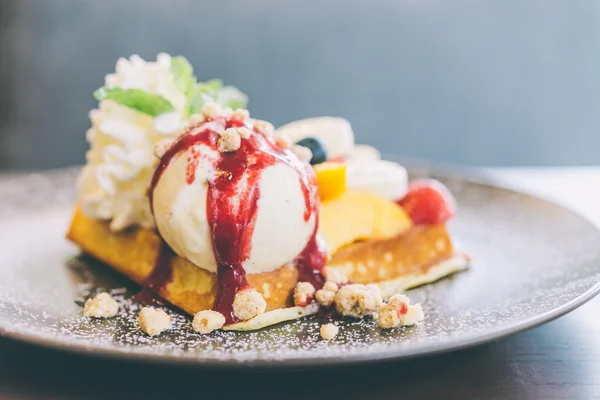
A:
[136,99]
[202,93]
[183,72]
[197,101]
[213,84]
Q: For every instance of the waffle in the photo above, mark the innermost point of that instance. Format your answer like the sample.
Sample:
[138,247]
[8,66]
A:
[420,255]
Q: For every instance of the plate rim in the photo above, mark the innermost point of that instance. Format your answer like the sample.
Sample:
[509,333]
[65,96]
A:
[467,174]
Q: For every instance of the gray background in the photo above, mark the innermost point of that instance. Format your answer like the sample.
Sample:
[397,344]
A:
[498,82]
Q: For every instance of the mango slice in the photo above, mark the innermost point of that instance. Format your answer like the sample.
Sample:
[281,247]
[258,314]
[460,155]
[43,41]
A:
[356,216]
[331,179]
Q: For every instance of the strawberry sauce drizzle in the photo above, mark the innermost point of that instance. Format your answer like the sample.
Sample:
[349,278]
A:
[160,275]
[311,260]
[232,222]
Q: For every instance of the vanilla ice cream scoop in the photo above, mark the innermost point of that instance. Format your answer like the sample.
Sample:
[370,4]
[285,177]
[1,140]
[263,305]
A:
[226,196]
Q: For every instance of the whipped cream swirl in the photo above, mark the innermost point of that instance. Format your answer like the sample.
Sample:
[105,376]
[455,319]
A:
[113,185]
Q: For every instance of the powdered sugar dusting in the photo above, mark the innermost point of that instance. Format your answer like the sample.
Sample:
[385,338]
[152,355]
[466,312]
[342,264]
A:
[530,259]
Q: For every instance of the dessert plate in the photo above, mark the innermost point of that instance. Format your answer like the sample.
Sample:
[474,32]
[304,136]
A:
[532,261]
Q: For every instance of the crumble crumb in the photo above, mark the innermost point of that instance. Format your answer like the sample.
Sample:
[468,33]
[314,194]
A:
[101,306]
[331,286]
[229,141]
[326,295]
[212,111]
[162,146]
[153,321]
[304,292]
[303,153]
[329,331]
[264,127]
[207,321]
[414,315]
[335,275]
[399,301]
[248,304]
[282,141]
[357,300]
[244,132]
[388,317]
[240,114]
[196,119]
[399,311]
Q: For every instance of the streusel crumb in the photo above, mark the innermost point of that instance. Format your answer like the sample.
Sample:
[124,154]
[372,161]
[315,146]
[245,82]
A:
[162,146]
[304,292]
[398,300]
[335,275]
[197,119]
[212,111]
[229,141]
[399,311]
[264,127]
[388,317]
[207,321]
[326,295]
[413,315]
[244,132]
[240,114]
[329,331]
[303,153]
[153,321]
[357,300]
[282,141]
[101,306]
[248,304]
[331,286]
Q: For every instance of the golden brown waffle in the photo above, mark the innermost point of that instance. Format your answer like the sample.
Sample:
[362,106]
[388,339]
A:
[134,253]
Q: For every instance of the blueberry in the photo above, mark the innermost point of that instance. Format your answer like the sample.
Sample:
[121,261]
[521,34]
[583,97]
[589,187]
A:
[319,154]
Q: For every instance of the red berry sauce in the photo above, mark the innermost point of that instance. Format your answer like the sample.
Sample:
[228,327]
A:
[311,260]
[160,276]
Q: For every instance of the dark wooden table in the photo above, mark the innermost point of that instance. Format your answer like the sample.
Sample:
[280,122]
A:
[558,360]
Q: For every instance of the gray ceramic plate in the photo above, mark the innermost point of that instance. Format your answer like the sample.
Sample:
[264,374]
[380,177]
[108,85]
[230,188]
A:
[532,261]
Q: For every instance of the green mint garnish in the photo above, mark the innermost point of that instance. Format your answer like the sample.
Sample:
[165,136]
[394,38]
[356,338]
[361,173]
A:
[183,72]
[213,90]
[231,97]
[197,93]
[137,99]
